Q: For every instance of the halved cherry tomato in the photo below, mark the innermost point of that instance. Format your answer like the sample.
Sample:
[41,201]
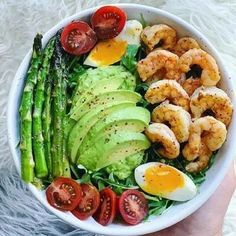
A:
[133,206]
[107,209]
[78,38]
[89,203]
[64,194]
[108,21]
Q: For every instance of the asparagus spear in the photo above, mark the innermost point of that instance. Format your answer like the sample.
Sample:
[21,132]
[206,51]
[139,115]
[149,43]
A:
[46,122]
[41,169]
[27,161]
[57,108]
[65,162]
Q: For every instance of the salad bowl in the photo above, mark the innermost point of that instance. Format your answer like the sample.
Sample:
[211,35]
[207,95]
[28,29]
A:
[175,213]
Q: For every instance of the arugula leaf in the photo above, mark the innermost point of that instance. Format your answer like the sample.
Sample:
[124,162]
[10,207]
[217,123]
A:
[157,205]
[86,178]
[157,208]
[76,72]
[142,88]
[143,21]
[101,179]
[129,60]
[101,185]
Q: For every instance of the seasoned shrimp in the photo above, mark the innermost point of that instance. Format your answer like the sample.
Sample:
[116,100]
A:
[176,116]
[203,159]
[205,129]
[160,133]
[167,90]
[214,99]
[157,60]
[152,35]
[184,44]
[190,85]
[210,73]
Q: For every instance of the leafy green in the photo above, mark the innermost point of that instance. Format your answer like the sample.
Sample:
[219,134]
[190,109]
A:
[129,60]
[158,207]
[102,179]
[117,185]
[141,89]
[143,21]
[75,73]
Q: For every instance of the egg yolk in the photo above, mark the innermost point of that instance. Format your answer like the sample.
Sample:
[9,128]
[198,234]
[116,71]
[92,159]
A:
[108,52]
[161,179]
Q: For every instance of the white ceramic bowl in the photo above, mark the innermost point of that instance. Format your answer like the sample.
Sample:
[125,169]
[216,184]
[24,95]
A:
[214,175]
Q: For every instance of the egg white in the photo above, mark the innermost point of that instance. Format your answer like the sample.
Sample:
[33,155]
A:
[131,32]
[187,192]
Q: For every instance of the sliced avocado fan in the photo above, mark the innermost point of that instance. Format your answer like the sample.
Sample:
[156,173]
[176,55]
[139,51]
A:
[109,149]
[105,98]
[81,128]
[134,119]
[101,86]
[92,76]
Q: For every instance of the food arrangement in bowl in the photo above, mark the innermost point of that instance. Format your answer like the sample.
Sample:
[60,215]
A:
[120,118]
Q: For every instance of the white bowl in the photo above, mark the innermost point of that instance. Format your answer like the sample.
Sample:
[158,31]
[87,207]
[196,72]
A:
[214,175]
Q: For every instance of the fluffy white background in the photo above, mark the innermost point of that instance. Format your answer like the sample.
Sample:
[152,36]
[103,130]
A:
[20,213]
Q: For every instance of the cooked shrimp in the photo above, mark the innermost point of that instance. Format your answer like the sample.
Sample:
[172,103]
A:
[152,35]
[203,159]
[205,129]
[157,60]
[190,85]
[214,99]
[210,72]
[167,90]
[160,133]
[184,44]
[176,116]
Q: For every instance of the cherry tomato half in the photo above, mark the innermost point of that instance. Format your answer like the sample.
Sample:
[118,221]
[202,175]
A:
[89,203]
[78,38]
[107,209]
[64,194]
[108,21]
[133,206]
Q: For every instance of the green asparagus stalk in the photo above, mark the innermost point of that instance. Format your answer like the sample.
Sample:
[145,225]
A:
[27,160]
[41,169]
[58,109]
[46,121]
[65,161]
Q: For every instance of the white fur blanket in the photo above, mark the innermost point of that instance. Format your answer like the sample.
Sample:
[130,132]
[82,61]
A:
[20,213]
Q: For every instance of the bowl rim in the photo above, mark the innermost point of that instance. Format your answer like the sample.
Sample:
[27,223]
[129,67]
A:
[106,230]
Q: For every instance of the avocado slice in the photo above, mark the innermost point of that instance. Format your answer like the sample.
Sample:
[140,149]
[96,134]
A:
[109,149]
[124,168]
[105,98]
[128,125]
[129,119]
[81,128]
[92,76]
[102,86]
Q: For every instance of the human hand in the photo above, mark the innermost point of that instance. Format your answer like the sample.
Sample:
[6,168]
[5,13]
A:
[208,220]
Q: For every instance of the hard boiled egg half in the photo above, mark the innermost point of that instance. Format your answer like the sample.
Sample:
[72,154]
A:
[165,181]
[110,51]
